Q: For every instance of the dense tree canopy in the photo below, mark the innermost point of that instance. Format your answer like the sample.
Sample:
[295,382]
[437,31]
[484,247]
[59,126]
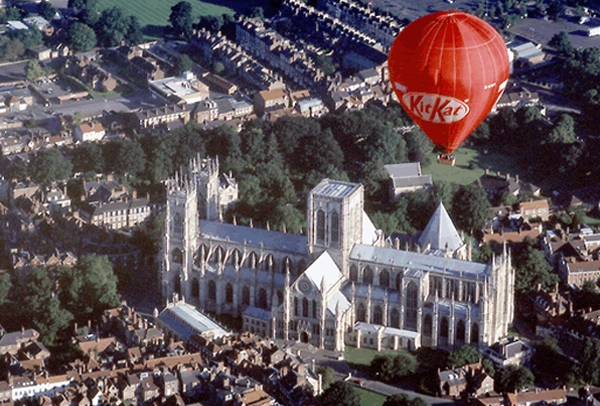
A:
[464,355]
[512,378]
[89,288]
[392,368]
[327,375]
[339,394]
[181,19]
[471,210]
[34,305]
[81,37]
[532,268]
[50,166]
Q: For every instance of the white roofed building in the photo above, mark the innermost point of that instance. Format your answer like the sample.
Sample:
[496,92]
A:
[341,283]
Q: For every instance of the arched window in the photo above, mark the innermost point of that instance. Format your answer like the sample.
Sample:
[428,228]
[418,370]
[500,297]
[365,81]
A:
[286,265]
[261,300]
[236,258]
[269,263]
[361,313]
[410,322]
[252,260]
[398,281]
[304,307]
[229,293]
[296,309]
[320,227]
[177,256]
[218,255]
[367,276]
[195,287]
[245,295]
[444,328]
[395,318]
[177,224]
[335,230]
[475,334]
[353,273]
[203,252]
[384,278]
[279,298]
[314,309]
[460,331]
[212,290]
[427,326]
[377,315]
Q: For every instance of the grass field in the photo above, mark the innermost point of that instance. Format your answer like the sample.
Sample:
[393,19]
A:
[368,398]
[154,14]
[470,165]
[360,358]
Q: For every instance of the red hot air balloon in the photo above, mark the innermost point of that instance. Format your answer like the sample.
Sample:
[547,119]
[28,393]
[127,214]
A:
[448,70]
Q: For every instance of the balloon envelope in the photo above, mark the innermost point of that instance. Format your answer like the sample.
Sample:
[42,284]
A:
[448,70]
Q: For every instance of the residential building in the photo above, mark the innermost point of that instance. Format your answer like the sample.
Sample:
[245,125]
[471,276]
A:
[90,132]
[185,89]
[407,178]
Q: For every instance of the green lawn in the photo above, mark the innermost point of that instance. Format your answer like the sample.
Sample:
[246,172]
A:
[360,358]
[470,165]
[154,14]
[369,398]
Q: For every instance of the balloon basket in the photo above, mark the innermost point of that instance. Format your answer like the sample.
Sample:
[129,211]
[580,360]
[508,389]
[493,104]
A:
[445,159]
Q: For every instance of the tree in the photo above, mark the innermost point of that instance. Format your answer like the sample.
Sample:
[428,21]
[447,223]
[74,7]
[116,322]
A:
[183,64]
[87,158]
[81,37]
[464,355]
[512,379]
[562,43]
[111,28]
[392,368]
[46,10]
[130,159]
[532,269]
[89,288]
[471,209]
[34,303]
[563,131]
[50,166]
[87,10]
[339,394]
[33,70]
[30,38]
[134,34]
[181,19]
[5,286]
[589,361]
[327,375]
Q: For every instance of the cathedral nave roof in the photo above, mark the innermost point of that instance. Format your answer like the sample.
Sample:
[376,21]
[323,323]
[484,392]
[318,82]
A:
[421,262]
[273,240]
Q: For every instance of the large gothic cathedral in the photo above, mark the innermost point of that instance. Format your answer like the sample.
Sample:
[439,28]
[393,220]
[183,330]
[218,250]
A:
[342,283]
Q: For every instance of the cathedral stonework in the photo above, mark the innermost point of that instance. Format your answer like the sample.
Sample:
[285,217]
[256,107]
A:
[341,284]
